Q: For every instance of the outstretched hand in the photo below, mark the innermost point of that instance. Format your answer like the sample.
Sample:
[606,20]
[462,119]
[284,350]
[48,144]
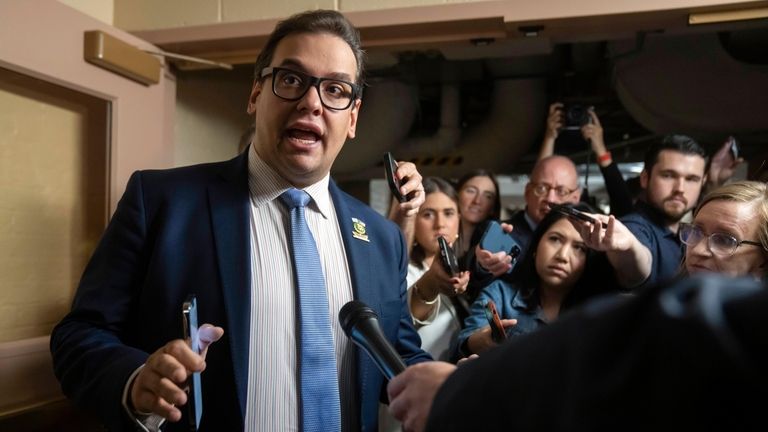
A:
[613,236]
[159,386]
[482,340]
[723,165]
[495,263]
[555,121]
[411,393]
[411,188]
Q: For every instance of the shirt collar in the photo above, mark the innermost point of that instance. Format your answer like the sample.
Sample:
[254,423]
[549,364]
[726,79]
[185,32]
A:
[520,304]
[265,184]
[654,215]
[530,221]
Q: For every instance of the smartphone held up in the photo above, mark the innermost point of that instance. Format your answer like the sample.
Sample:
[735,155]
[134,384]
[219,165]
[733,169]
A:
[448,257]
[195,397]
[571,212]
[495,239]
[390,168]
[498,334]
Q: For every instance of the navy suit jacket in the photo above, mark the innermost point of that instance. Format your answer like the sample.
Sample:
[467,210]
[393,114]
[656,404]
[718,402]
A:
[186,230]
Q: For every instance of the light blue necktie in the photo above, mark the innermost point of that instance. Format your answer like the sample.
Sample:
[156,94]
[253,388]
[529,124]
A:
[319,388]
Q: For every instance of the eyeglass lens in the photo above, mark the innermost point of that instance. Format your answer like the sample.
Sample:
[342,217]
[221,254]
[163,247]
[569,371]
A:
[718,243]
[542,189]
[292,85]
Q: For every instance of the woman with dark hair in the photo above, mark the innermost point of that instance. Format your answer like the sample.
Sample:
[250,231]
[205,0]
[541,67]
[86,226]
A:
[478,201]
[431,290]
[430,287]
[550,277]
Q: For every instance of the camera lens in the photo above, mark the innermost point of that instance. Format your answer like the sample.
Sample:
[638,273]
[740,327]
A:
[576,116]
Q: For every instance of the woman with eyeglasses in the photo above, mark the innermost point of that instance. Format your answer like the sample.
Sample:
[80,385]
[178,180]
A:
[728,235]
[729,232]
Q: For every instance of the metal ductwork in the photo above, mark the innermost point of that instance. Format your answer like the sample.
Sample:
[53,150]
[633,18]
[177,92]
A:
[691,84]
[516,105]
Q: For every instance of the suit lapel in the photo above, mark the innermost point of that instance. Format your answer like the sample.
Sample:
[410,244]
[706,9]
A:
[358,251]
[229,205]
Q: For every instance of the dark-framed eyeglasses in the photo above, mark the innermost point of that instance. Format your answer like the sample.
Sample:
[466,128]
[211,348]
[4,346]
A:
[292,85]
[720,244]
[542,189]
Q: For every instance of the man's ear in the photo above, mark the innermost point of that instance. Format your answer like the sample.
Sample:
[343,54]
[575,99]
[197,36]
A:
[255,92]
[354,112]
[644,179]
[576,197]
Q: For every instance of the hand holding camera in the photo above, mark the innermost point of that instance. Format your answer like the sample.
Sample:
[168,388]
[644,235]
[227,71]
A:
[575,116]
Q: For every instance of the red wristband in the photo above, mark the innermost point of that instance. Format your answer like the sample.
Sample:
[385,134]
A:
[605,157]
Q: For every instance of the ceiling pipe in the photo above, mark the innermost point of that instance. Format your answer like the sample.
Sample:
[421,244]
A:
[656,87]
[387,112]
[514,123]
[448,134]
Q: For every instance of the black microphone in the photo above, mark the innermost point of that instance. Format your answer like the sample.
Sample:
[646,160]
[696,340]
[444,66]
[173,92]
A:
[361,324]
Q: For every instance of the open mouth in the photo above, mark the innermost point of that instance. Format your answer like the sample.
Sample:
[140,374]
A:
[302,135]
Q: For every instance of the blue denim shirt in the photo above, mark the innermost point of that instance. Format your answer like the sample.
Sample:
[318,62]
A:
[510,305]
[647,224]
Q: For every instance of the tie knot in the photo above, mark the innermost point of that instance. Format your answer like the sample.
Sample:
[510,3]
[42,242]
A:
[295,198]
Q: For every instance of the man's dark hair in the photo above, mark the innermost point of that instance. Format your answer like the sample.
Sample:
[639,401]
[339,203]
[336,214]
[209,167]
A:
[675,142]
[316,21]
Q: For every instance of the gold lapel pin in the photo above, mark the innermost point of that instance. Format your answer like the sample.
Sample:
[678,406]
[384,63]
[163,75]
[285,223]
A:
[358,230]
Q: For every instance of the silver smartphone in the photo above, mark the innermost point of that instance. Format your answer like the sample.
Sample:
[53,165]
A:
[194,390]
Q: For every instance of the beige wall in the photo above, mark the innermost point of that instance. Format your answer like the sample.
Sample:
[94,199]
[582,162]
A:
[142,116]
[210,114]
[102,10]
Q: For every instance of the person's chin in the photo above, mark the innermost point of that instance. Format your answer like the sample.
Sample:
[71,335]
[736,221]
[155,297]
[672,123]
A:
[697,268]
[555,278]
[299,168]
[473,217]
[675,210]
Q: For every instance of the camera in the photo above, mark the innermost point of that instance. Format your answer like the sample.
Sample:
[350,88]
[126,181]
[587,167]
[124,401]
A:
[575,116]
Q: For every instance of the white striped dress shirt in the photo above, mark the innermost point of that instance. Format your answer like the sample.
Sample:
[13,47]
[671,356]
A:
[272,403]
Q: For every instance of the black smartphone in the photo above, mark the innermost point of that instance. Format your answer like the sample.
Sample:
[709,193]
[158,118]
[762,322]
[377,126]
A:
[495,239]
[390,167]
[194,390]
[734,148]
[576,214]
[448,257]
[498,334]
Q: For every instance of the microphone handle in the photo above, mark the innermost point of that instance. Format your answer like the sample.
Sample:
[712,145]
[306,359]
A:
[378,347]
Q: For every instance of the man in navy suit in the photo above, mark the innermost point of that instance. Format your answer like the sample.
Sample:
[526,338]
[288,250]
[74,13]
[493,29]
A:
[219,231]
